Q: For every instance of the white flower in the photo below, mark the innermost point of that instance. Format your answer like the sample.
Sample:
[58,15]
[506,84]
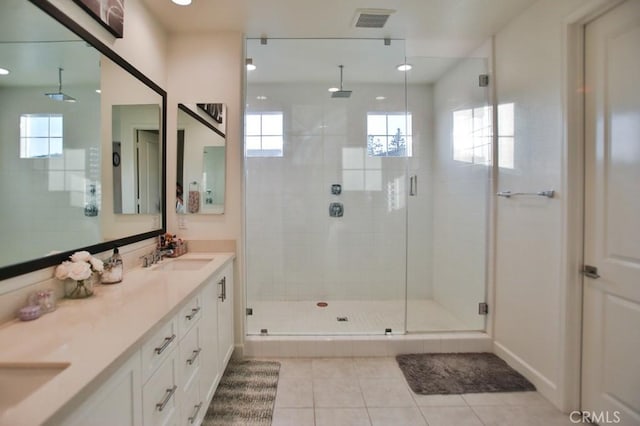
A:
[81,266]
[81,256]
[62,270]
[96,264]
[79,270]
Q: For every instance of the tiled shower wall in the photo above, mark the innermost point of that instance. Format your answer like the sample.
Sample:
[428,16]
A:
[295,251]
[48,194]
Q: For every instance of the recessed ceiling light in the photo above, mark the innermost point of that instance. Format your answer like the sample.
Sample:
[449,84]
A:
[182,2]
[380,98]
[404,67]
[251,67]
[333,89]
[4,71]
[98,91]
[261,98]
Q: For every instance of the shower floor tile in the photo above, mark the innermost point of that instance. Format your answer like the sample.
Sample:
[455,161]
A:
[349,317]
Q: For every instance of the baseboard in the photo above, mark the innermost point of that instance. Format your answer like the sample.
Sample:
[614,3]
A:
[545,387]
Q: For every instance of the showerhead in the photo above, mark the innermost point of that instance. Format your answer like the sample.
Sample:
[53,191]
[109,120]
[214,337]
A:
[341,93]
[59,96]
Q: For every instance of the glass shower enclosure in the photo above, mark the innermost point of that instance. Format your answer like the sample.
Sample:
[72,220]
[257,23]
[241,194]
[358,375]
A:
[353,190]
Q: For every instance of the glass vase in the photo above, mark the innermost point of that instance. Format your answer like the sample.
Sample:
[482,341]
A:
[79,289]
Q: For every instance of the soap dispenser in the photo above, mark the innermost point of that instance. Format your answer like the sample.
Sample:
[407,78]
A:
[113,268]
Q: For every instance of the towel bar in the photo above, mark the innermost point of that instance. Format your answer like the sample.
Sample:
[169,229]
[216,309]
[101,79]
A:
[508,194]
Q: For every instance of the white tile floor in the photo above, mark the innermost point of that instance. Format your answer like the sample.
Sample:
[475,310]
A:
[364,317]
[373,392]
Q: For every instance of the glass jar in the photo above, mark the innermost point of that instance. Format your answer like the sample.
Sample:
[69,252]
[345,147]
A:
[79,289]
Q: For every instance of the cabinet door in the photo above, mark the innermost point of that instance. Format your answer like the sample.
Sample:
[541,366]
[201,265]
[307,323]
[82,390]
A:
[115,402]
[225,316]
[209,366]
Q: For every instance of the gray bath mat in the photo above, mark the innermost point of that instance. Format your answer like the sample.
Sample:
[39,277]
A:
[456,373]
[245,396]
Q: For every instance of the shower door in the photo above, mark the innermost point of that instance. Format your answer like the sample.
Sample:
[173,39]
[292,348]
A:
[449,211]
[326,187]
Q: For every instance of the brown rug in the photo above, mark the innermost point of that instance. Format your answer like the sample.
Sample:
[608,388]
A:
[246,394]
[456,373]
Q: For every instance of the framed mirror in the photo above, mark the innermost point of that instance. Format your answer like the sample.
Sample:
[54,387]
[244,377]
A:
[64,101]
[201,159]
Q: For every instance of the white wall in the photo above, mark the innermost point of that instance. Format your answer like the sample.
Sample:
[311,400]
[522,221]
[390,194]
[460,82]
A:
[144,43]
[208,67]
[529,285]
[460,199]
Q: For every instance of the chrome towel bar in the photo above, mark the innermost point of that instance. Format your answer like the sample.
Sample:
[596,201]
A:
[508,194]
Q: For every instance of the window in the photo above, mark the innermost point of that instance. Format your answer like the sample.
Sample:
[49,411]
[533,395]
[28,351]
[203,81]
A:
[506,136]
[264,134]
[40,135]
[472,135]
[389,135]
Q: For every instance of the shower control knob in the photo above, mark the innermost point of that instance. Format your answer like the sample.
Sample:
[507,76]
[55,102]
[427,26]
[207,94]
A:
[336,210]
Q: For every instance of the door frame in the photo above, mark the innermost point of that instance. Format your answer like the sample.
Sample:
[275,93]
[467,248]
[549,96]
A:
[573,187]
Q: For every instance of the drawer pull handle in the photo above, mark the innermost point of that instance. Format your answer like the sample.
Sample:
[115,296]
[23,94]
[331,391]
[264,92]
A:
[191,360]
[223,289]
[167,342]
[194,416]
[193,313]
[160,405]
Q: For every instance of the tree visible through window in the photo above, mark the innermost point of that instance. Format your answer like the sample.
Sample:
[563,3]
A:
[40,135]
[387,135]
[264,134]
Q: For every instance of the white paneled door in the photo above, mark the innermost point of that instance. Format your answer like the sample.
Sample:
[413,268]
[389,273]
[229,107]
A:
[611,325]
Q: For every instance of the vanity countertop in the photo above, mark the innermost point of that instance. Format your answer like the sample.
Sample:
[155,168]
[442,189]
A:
[93,336]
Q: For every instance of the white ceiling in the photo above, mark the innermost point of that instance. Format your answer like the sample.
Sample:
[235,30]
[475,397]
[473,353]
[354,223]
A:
[442,30]
[460,20]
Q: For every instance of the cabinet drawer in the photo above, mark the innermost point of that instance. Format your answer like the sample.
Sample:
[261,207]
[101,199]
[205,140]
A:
[189,314]
[190,352]
[156,348]
[193,408]
[160,394]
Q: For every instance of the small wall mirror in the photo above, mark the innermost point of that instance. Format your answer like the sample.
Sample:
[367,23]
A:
[201,159]
[136,159]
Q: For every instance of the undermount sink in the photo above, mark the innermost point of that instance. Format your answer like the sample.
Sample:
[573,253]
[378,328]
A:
[182,265]
[19,380]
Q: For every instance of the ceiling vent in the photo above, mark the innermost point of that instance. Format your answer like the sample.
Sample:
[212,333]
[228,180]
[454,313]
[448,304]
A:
[372,18]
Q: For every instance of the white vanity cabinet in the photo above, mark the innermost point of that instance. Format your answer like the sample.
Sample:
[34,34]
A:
[172,373]
[117,401]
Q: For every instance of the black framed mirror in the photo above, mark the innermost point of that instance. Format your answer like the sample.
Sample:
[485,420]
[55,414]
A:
[57,134]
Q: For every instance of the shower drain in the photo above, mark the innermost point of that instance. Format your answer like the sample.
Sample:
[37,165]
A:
[342,319]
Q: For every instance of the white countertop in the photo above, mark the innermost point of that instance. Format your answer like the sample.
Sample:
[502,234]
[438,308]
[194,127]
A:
[94,335]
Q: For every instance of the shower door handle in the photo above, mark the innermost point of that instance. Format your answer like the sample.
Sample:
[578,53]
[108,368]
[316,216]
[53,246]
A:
[413,185]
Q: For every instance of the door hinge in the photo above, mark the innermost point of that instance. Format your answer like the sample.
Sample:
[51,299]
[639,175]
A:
[483,308]
[249,311]
[590,271]
[483,80]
